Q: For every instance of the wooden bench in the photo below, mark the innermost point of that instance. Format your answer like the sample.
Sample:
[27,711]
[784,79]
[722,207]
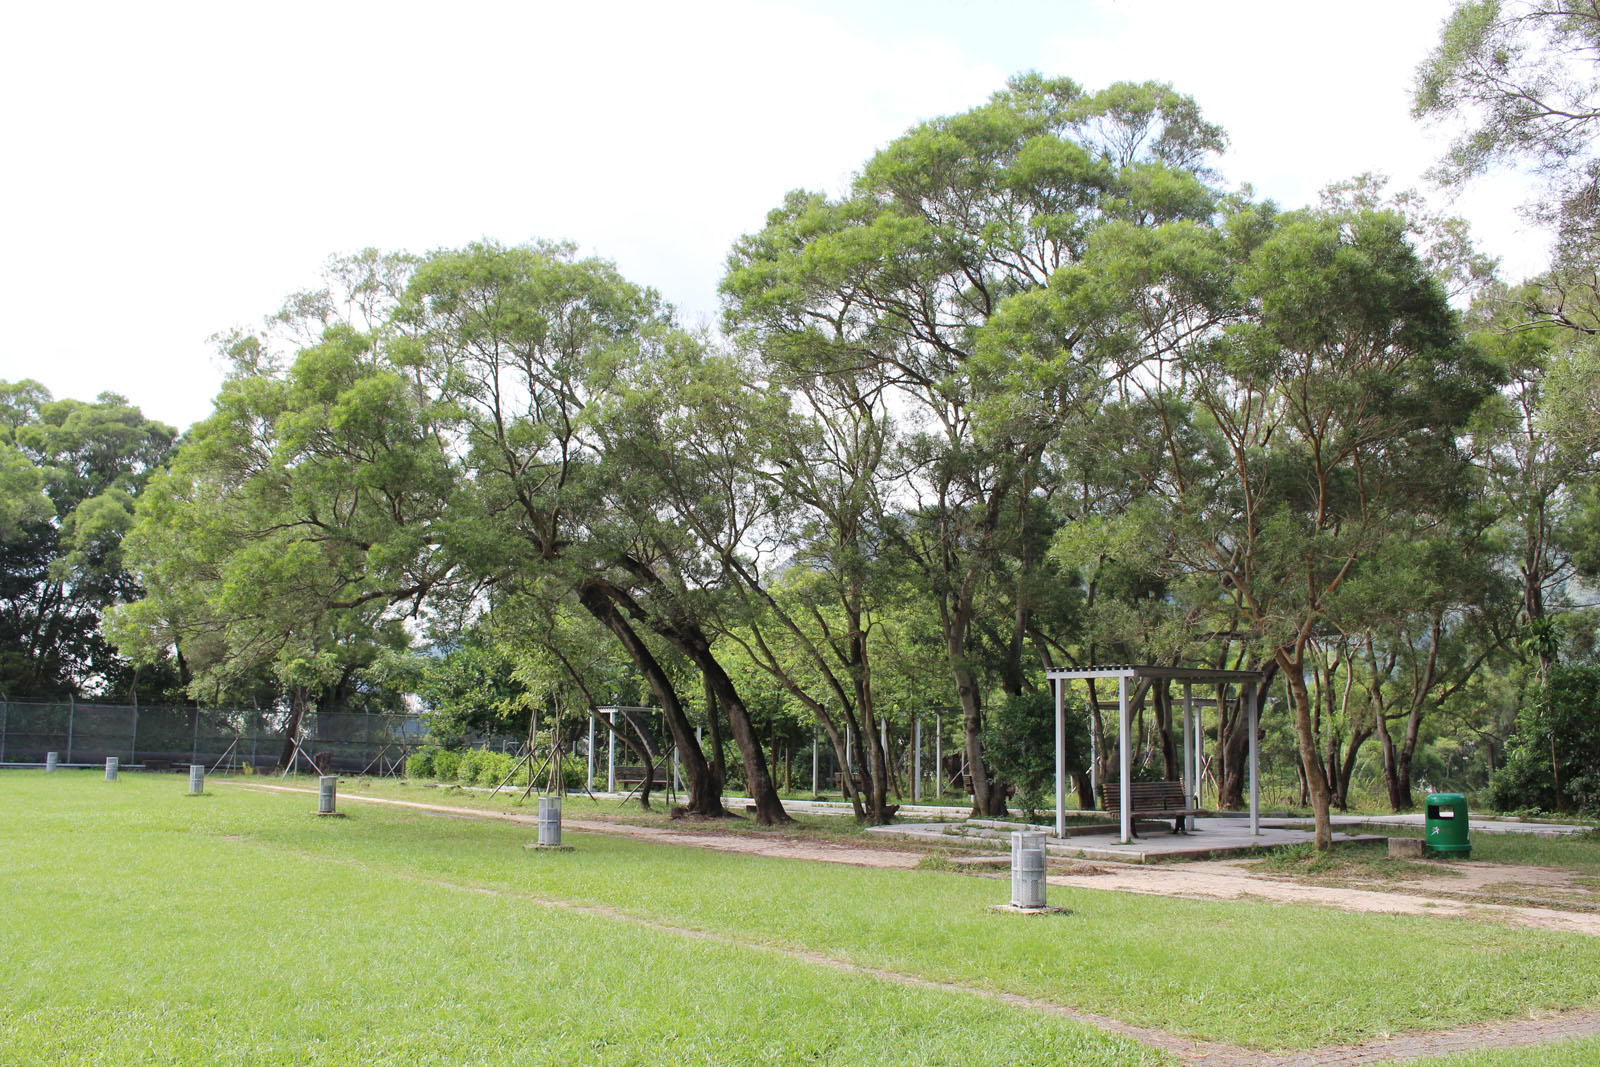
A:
[633,774]
[1151,800]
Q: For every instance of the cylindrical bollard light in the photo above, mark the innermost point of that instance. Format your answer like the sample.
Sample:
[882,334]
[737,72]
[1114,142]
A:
[327,794]
[197,779]
[1027,869]
[112,763]
[549,822]
[51,759]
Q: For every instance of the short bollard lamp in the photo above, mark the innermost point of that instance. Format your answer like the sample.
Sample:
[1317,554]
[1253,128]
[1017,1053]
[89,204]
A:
[328,795]
[51,761]
[112,763]
[1027,869]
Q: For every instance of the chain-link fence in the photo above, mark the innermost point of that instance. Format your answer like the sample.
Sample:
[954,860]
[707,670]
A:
[165,737]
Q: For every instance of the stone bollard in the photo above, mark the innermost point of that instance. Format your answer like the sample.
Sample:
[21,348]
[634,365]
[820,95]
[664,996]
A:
[1027,869]
[197,779]
[549,822]
[51,761]
[112,763]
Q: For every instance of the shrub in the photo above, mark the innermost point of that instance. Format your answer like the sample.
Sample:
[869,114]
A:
[1020,743]
[493,767]
[467,769]
[445,764]
[1553,761]
[420,763]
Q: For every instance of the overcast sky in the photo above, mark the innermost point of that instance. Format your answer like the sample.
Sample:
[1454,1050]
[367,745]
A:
[170,171]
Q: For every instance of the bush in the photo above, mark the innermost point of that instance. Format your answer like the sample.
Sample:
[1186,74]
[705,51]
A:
[1020,743]
[420,763]
[467,769]
[1553,761]
[493,767]
[445,764]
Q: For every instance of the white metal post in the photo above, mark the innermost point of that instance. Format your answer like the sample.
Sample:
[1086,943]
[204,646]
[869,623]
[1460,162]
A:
[611,753]
[1200,753]
[938,754]
[1255,761]
[816,786]
[1058,685]
[916,760]
[590,782]
[849,754]
[1188,746]
[1094,750]
[1124,760]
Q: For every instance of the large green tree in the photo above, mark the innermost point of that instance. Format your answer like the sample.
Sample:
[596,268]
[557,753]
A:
[70,475]
[901,278]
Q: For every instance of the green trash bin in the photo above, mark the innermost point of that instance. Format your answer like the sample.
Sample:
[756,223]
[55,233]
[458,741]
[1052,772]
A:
[1445,828]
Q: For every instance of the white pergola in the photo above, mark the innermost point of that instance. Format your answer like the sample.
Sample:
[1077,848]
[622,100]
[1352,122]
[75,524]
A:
[1193,738]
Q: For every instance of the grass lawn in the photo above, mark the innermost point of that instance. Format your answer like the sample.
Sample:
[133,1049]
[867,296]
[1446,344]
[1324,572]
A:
[145,926]
[238,928]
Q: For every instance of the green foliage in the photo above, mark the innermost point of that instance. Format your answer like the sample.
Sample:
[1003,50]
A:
[70,474]
[493,767]
[469,765]
[445,765]
[1553,762]
[1020,740]
[420,763]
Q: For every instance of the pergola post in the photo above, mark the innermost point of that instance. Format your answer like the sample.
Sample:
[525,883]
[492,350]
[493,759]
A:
[1057,685]
[589,783]
[611,753]
[815,786]
[916,759]
[1124,759]
[1255,761]
[1094,751]
[1192,785]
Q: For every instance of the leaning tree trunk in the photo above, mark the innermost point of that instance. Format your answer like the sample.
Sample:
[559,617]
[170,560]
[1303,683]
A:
[704,789]
[1321,796]
[298,698]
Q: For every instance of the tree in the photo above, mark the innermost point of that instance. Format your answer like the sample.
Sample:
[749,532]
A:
[296,527]
[952,223]
[1554,762]
[1520,81]
[1286,450]
[70,475]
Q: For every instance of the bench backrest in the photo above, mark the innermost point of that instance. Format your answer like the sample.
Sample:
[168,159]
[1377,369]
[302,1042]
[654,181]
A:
[1145,796]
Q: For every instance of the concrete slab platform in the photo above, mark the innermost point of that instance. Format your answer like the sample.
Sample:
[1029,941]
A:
[1475,824]
[1209,839]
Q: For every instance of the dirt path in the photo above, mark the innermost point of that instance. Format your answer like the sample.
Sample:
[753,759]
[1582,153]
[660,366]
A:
[1210,880]
[1229,880]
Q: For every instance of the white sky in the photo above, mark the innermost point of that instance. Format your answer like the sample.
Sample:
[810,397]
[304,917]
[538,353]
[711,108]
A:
[169,171]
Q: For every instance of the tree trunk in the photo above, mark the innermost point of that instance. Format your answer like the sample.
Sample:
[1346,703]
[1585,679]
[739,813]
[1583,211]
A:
[704,791]
[291,732]
[1396,777]
[1321,796]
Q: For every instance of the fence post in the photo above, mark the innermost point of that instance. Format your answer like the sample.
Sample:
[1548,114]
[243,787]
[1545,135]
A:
[72,712]
[133,733]
[5,716]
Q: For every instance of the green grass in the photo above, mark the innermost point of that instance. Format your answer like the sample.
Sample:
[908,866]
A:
[1581,1053]
[294,925]
[145,926]
[1347,859]
[1578,852]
